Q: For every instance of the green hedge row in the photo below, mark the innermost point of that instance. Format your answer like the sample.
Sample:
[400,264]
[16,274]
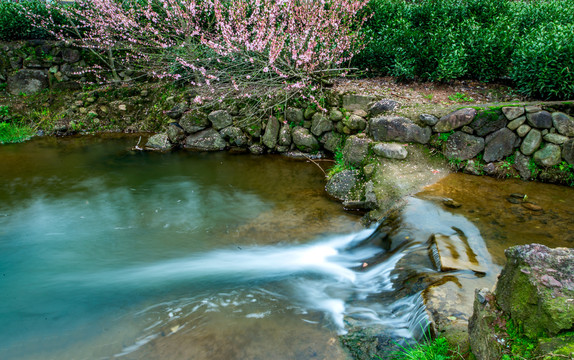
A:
[15,25]
[530,42]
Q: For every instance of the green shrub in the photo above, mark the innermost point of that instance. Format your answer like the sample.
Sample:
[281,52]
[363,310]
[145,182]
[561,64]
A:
[529,42]
[16,25]
[10,133]
[544,62]
[437,349]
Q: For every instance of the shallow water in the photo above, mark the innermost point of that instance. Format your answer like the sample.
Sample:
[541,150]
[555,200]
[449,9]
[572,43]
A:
[109,253]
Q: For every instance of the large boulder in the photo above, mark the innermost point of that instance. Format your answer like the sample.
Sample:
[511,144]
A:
[390,151]
[304,140]
[294,116]
[541,119]
[158,142]
[488,122]
[486,341]
[536,288]
[194,121]
[563,123]
[396,128]
[269,138]
[531,142]
[513,112]
[175,133]
[234,136]
[357,102]
[27,81]
[355,150]
[499,145]
[285,135]
[383,106]
[355,122]
[340,185]
[220,119]
[463,146]
[549,155]
[332,141]
[320,124]
[206,140]
[455,120]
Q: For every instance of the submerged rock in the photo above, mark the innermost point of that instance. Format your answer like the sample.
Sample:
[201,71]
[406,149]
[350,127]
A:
[207,140]
[158,142]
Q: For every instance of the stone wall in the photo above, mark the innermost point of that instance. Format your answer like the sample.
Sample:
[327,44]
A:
[29,67]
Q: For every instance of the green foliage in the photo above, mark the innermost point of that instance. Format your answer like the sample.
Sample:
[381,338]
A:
[567,170]
[521,347]
[460,97]
[4,110]
[530,41]
[15,25]
[443,137]
[437,349]
[11,133]
[544,63]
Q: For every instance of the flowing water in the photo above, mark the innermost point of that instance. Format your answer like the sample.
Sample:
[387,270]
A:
[108,253]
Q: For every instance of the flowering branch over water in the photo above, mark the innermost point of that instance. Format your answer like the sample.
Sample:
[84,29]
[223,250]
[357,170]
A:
[226,48]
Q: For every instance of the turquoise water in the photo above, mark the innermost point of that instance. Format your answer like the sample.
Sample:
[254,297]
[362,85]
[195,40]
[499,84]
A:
[97,241]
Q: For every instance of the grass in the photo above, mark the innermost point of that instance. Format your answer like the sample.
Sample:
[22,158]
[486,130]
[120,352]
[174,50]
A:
[437,349]
[10,133]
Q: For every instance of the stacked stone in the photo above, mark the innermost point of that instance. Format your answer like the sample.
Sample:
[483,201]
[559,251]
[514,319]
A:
[527,132]
[29,67]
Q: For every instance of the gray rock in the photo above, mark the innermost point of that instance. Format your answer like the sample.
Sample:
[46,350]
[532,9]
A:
[563,123]
[355,150]
[257,149]
[336,115]
[467,129]
[536,288]
[234,136]
[473,168]
[532,109]
[428,119]
[158,142]
[531,142]
[485,342]
[396,128]
[177,111]
[332,141]
[252,127]
[361,113]
[294,116]
[304,140]
[355,122]
[568,151]
[220,119]
[309,112]
[455,120]
[70,56]
[340,185]
[555,138]
[269,138]
[27,81]
[522,165]
[206,140]
[282,148]
[321,124]
[391,151]
[487,122]
[513,112]
[383,106]
[549,155]
[175,133]
[194,121]
[463,146]
[523,130]
[357,102]
[285,135]
[516,123]
[499,145]
[540,119]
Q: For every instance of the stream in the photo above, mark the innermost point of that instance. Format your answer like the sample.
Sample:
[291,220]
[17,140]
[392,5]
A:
[109,253]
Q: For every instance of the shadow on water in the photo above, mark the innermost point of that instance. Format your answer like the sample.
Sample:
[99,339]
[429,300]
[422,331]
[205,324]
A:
[113,254]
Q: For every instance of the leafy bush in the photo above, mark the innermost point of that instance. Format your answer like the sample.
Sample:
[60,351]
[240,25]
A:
[16,25]
[527,41]
[544,63]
